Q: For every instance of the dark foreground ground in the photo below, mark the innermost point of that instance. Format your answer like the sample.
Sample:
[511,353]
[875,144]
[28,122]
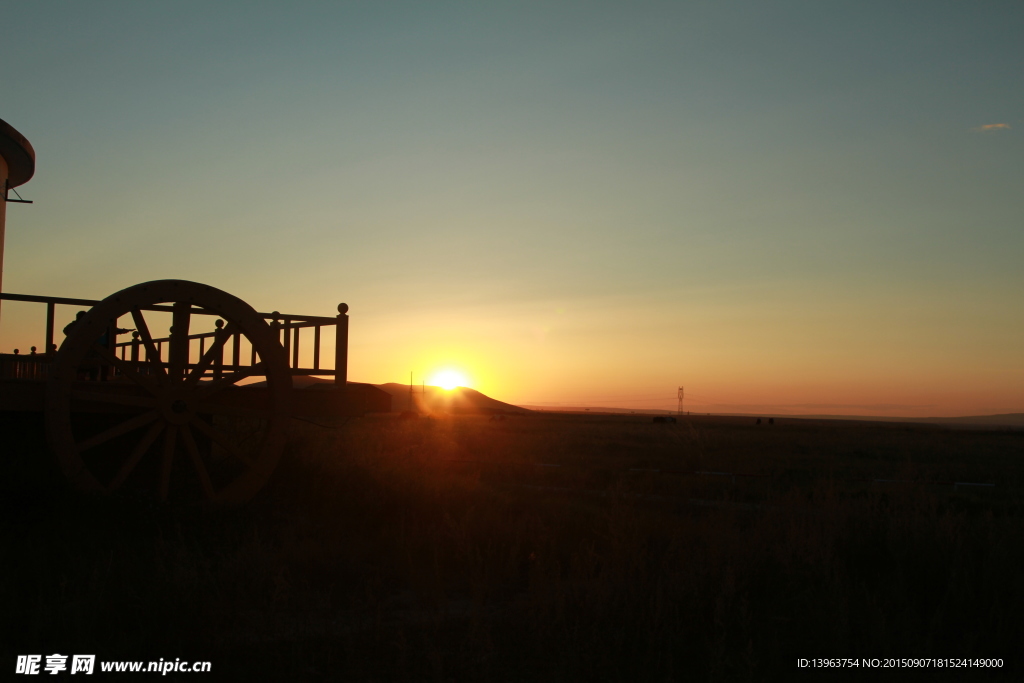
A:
[449,550]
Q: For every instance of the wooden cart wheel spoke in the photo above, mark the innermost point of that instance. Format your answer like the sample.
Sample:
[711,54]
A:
[197,461]
[117,399]
[167,461]
[232,454]
[152,355]
[127,368]
[222,440]
[208,389]
[140,450]
[118,430]
[211,354]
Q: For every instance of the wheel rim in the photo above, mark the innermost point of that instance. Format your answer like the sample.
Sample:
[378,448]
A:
[164,426]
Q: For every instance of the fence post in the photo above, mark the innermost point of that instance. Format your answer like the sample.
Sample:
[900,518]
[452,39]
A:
[287,340]
[341,347]
[275,325]
[218,358]
[49,327]
[316,347]
[178,343]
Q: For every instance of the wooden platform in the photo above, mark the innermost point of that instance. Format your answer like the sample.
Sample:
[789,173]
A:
[322,401]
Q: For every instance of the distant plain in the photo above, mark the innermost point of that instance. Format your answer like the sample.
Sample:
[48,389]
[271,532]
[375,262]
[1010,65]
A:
[542,547]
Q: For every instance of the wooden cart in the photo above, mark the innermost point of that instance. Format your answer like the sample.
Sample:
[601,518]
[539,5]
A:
[198,414]
[191,400]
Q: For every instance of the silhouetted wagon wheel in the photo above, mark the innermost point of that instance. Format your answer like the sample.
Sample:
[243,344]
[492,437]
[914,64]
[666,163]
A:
[169,428]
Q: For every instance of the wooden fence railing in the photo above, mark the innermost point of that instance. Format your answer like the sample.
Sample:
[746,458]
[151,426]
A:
[289,327]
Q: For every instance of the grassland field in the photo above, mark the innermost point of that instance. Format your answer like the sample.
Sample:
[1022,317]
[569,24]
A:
[450,549]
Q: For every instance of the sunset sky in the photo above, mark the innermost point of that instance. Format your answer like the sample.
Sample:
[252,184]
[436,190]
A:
[789,207]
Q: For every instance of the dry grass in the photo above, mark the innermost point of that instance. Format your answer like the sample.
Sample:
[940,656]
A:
[379,553]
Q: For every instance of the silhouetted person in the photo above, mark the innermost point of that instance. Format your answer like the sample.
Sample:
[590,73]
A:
[104,341]
[71,325]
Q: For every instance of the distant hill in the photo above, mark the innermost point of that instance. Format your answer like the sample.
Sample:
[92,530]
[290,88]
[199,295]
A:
[600,410]
[1005,420]
[460,400]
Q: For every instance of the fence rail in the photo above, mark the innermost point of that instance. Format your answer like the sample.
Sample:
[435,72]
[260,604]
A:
[37,365]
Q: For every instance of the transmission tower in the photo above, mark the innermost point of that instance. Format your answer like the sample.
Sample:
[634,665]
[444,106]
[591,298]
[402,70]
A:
[679,408]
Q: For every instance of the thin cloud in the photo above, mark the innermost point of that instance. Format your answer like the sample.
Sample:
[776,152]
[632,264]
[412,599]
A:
[989,127]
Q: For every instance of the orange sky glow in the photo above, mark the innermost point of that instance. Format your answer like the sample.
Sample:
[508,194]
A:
[784,211]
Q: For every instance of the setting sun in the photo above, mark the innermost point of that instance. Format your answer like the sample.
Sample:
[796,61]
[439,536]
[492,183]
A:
[448,379]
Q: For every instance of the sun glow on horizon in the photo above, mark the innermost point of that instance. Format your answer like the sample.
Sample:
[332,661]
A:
[448,379]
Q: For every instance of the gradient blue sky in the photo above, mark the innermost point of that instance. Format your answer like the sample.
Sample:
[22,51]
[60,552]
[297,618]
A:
[785,206]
